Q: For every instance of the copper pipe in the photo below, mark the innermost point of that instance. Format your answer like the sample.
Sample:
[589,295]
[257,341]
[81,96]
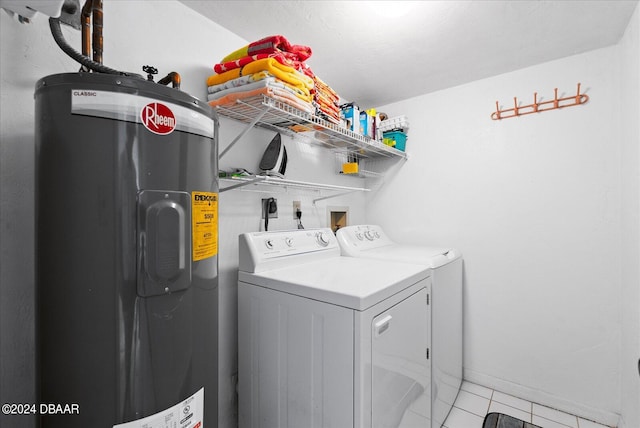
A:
[172,77]
[97,31]
[85,18]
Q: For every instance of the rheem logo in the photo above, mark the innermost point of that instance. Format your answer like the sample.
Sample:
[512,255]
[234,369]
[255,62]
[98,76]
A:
[158,118]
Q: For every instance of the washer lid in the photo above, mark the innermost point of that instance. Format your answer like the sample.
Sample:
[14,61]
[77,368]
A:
[351,282]
[370,241]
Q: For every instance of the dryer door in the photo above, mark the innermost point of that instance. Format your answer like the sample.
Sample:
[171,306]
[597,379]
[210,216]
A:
[401,372]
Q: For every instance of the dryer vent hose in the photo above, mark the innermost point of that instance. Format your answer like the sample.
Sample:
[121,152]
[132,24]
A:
[56,31]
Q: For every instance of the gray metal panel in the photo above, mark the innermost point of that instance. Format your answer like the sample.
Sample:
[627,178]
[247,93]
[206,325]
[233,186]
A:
[119,353]
[164,240]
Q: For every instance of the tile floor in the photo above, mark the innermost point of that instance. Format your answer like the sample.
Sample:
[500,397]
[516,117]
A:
[475,401]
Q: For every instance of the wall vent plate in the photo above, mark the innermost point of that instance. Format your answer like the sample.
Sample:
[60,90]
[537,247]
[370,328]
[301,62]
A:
[338,217]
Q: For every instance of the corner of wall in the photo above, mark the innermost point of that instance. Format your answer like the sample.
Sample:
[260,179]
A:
[629,50]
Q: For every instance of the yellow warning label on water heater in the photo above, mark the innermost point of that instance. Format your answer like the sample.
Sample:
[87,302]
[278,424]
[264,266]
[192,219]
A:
[204,209]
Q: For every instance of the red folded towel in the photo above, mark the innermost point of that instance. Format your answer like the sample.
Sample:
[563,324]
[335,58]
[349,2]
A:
[272,43]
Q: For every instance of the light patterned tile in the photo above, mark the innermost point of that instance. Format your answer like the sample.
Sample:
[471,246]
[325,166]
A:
[546,417]
[555,415]
[459,418]
[511,401]
[511,411]
[474,388]
[472,403]
[546,423]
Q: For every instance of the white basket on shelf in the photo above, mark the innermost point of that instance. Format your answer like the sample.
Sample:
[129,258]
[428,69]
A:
[397,122]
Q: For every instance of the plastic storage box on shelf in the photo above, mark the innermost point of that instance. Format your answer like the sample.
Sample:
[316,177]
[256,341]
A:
[395,123]
[400,139]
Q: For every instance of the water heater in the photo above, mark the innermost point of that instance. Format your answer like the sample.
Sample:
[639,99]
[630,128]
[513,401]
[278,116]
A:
[127,267]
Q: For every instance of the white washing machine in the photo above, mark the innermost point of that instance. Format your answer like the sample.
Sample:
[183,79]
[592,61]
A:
[330,341]
[370,241]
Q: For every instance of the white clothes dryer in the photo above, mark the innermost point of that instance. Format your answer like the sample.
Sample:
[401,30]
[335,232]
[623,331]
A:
[370,241]
[329,341]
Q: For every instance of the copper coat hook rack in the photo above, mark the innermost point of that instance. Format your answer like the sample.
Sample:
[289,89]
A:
[538,107]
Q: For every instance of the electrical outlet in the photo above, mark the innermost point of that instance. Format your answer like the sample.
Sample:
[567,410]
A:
[296,206]
[274,207]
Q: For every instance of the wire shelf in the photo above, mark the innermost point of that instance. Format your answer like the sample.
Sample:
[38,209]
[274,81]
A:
[265,180]
[284,118]
[362,171]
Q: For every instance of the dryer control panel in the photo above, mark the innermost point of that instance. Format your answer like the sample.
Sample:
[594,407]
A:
[259,251]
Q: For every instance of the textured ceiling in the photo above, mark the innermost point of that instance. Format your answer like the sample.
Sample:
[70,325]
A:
[378,52]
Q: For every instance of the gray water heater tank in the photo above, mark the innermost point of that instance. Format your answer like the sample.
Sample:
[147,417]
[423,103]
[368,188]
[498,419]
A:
[127,266]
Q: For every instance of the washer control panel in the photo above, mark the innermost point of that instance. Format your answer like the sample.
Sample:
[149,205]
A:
[362,237]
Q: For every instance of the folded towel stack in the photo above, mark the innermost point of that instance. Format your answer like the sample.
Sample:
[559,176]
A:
[274,67]
[264,76]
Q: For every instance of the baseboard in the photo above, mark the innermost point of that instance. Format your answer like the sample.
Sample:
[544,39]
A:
[543,398]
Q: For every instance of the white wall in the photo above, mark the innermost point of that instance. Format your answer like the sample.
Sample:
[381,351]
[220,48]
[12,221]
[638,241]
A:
[534,204]
[630,251]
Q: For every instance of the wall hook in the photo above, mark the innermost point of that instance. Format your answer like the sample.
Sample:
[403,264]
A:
[538,107]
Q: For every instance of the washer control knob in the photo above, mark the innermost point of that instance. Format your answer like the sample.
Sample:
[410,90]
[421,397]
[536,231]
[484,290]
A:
[289,242]
[377,235]
[359,236]
[269,244]
[323,239]
[369,235]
